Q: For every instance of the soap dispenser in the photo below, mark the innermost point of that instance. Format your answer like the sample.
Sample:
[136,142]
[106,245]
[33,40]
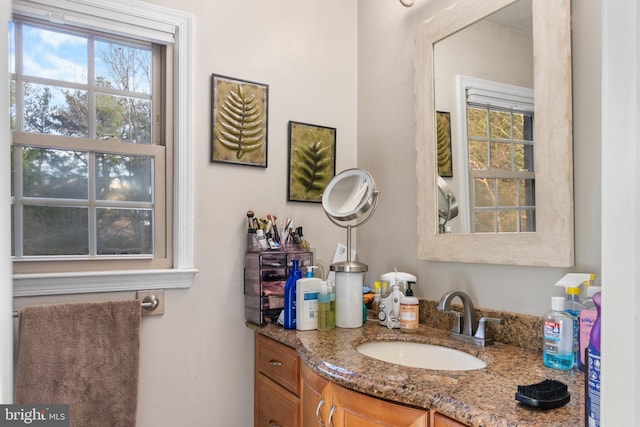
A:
[409,311]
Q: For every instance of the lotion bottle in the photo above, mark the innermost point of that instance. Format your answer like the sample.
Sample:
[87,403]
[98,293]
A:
[558,339]
[409,312]
[290,296]
[307,290]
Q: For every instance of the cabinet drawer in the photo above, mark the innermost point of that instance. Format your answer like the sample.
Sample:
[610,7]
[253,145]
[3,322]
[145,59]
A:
[275,406]
[278,362]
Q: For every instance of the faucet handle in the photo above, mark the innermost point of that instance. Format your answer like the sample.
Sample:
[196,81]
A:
[481,332]
[457,320]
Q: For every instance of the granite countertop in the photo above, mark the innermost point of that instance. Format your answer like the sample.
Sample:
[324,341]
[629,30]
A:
[484,397]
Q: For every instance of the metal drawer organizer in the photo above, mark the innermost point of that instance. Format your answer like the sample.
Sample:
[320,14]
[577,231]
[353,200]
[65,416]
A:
[265,274]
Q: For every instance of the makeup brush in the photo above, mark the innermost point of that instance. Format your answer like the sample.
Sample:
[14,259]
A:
[250,215]
[276,235]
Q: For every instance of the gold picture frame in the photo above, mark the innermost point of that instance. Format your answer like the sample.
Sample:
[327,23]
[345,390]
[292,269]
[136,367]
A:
[312,161]
[239,121]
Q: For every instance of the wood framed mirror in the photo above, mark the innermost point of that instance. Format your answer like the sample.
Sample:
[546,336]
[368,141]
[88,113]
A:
[552,242]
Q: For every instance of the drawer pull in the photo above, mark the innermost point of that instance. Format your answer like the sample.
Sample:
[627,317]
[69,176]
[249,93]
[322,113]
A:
[275,363]
[333,411]
[273,424]
[318,417]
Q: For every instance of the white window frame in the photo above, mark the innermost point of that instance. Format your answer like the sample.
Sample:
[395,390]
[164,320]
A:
[508,96]
[155,23]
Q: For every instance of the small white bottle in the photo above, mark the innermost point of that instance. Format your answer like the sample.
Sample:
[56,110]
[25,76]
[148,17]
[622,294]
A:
[307,290]
[557,346]
[409,312]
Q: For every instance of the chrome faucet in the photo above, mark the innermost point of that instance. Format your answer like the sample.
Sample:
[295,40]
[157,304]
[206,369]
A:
[465,326]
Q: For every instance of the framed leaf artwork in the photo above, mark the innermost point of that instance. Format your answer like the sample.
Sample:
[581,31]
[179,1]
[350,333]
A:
[443,126]
[239,121]
[312,161]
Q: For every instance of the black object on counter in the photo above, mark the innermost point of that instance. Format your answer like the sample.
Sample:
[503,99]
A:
[548,394]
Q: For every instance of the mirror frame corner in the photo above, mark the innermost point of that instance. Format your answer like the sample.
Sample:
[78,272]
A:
[552,244]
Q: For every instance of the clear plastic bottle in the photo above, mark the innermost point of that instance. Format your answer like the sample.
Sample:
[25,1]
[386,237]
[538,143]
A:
[332,307]
[574,307]
[324,308]
[558,336]
[571,282]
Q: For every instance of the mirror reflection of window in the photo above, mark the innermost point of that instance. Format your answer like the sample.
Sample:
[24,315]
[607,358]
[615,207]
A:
[500,167]
[499,154]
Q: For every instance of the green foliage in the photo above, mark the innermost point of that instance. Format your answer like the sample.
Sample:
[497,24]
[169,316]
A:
[242,129]
[311,167]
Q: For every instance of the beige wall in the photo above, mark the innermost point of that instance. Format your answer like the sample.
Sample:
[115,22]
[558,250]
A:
[386,149]
[197,360]
[201,351]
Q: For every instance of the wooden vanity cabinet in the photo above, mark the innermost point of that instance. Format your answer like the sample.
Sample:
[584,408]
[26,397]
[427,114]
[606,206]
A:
[323,401]
[277,384]
[290,394]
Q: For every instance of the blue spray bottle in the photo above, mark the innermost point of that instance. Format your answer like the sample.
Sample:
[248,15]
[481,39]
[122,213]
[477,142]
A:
[290,296]
[592,405]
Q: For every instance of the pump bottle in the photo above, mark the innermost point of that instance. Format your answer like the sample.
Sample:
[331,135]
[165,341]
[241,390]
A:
[409,311]
[290,296]
[307,290]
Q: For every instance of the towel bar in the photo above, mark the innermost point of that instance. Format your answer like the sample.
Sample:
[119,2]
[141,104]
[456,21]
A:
[149,303]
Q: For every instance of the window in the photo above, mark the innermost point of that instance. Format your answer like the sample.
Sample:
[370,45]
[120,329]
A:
[94,137]
[499,151]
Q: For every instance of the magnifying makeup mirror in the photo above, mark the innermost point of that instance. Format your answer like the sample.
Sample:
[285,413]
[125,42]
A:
[349,201]
[447,205]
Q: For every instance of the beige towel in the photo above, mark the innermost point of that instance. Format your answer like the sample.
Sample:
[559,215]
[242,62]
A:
[84,355]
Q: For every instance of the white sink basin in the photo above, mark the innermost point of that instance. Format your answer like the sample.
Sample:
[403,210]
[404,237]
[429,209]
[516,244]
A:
[421,355]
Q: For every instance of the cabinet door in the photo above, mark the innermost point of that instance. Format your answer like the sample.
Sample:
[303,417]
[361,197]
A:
[440,420]
[274,406]
[314,394]
[359,410]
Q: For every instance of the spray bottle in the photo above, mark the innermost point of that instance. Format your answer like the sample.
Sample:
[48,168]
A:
[571,282]
[592,406]
[588,317]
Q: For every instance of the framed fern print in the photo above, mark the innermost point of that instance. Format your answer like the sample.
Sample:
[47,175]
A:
[312,161]
[239,121]
[443,126]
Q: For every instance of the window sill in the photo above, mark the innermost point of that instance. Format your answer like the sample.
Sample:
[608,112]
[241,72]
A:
[101,281]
